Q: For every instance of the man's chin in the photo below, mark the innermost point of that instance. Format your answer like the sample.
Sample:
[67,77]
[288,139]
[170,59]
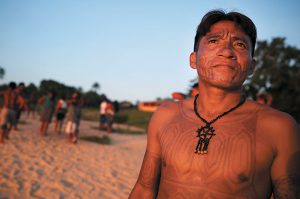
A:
[227,85]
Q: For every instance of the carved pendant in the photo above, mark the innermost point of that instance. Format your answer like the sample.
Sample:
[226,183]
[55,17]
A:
[204,133]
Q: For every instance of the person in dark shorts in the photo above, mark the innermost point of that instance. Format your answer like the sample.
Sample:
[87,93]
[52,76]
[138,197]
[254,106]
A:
[60,110]
[102,114]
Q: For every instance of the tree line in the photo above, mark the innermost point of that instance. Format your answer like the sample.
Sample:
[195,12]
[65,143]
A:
[277,73]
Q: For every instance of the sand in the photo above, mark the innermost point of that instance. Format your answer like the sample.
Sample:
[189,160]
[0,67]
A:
[35,167]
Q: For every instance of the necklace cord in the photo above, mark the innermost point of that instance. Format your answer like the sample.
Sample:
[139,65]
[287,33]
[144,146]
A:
[219,116]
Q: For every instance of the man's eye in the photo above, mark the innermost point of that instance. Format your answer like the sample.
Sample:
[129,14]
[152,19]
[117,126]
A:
[240,44]
[212,41]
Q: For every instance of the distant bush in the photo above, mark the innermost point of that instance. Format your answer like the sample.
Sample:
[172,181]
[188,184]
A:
[99,140]
[134,117]
[129,116]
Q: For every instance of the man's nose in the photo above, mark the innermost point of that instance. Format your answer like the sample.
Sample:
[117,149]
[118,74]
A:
[227,51]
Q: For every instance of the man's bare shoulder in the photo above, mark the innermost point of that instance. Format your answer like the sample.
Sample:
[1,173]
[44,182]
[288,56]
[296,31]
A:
[159,120]
[282,133]
[277,125]
[166,110]
[169,107]
[165,113]
[268,115]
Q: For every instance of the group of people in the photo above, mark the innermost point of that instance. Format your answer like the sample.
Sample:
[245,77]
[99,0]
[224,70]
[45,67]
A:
[14,102]
[69,109]
[13,105]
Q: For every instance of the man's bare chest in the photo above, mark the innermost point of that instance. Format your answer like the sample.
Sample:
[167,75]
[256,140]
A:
[230,160]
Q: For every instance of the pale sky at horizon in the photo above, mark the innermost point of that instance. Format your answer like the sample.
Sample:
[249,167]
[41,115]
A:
[136,50]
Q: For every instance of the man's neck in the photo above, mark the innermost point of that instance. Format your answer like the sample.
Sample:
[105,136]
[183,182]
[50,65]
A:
[214,101]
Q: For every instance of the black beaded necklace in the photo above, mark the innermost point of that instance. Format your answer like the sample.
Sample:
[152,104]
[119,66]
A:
[206,132]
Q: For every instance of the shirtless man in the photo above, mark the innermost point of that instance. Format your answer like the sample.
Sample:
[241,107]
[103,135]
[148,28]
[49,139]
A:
[8,114]
[239,149]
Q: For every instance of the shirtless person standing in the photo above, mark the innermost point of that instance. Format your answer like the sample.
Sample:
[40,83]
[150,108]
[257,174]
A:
[8,114]
[219,145]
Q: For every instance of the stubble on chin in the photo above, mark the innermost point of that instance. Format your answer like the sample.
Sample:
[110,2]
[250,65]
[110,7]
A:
[218,81]
[206,73]
[210,74]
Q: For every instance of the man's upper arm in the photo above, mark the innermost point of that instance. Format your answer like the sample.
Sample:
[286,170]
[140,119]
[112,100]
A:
[285,170]
[149,177]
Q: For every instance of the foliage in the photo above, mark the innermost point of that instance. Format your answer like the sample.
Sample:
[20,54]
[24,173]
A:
[129,116]
[31,88]
[125,129]
[96,86]
[99,140]
[91,114]
[133,117]
[128,131]
[2,72]
[278,73]
[59,88]
[92,99]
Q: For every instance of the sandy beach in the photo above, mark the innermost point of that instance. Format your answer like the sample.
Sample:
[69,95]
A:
[36,167]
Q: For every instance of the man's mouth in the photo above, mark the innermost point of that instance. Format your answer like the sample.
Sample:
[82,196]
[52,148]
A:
[223,65]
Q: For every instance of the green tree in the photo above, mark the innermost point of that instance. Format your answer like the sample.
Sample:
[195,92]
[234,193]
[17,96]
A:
[91,99]
[2,72]
[278,73]
[31,88]
[59,88]
[96,86]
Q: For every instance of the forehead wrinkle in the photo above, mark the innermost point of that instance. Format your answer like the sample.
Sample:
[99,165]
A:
[236,35]
[239,37]
[215,34]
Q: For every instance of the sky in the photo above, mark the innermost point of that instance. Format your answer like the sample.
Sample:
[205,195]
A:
[136,50]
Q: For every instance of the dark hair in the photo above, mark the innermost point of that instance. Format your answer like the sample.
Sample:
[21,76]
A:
[53,94]
[12,85]
[63,96]
[214,16]
[195,85]
[21,84]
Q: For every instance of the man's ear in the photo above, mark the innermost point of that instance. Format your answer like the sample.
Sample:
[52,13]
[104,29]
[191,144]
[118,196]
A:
[252,68]
[193,60]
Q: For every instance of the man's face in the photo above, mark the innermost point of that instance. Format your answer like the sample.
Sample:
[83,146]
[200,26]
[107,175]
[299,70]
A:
[223,58]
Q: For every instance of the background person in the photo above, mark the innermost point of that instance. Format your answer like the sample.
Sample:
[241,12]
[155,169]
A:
[8,113]
[109,115]
[60,110]
[47,103]
[73,117]
[102,114]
